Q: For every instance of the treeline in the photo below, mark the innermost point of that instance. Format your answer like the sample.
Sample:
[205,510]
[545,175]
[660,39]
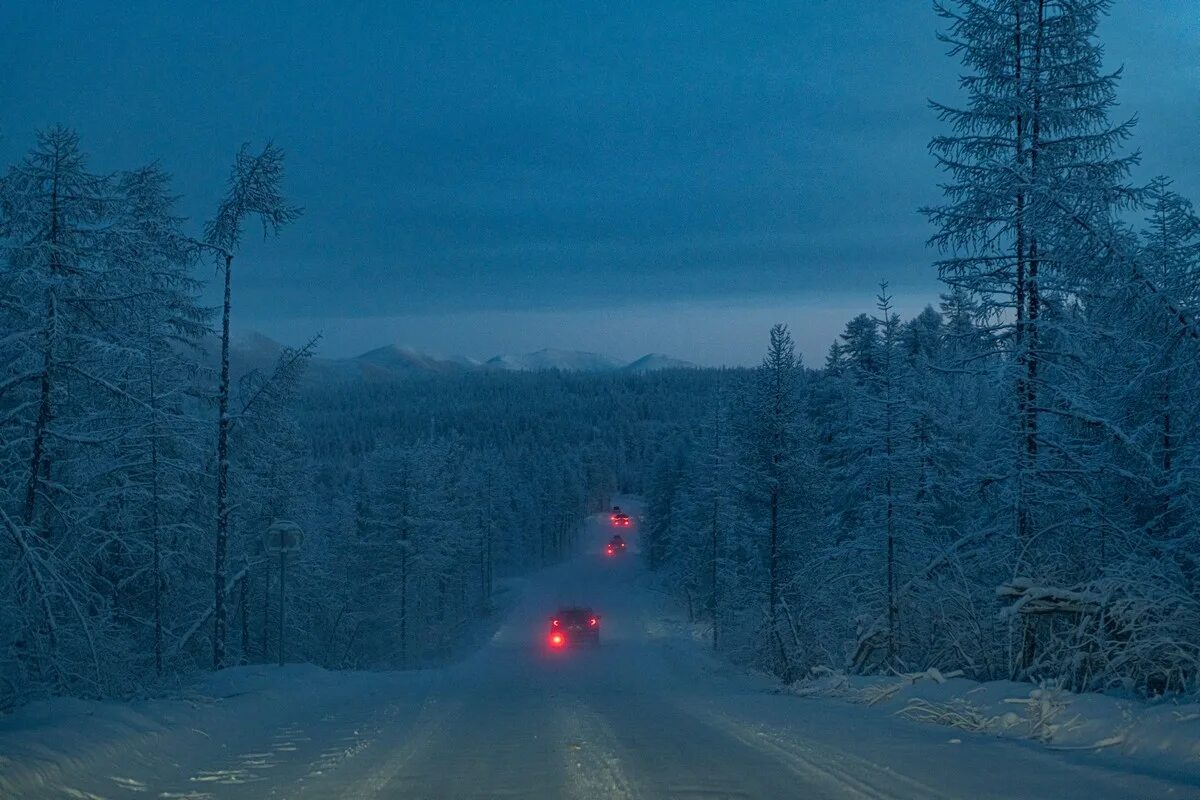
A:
[1005,485]
[141,465]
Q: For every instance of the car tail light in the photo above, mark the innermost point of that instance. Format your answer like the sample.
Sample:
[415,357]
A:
[557,640]
[609,550]
[593,622]
[554,622]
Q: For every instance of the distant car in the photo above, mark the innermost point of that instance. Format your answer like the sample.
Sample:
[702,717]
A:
[620,519]
[615,545]
[615,513]
[574,626]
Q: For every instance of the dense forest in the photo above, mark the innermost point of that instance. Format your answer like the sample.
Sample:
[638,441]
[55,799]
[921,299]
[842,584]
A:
[429,489]
[1004,484]
[143,462]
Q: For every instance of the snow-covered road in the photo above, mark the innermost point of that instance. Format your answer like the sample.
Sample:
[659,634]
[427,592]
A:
[649,714]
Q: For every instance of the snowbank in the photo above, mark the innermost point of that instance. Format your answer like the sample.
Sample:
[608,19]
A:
[1159,735]
[45,744]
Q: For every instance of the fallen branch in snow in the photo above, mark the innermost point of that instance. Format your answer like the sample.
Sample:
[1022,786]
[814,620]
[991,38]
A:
[881,692]
[1043,707]
[1040,717]
[1031,599]
[955,714]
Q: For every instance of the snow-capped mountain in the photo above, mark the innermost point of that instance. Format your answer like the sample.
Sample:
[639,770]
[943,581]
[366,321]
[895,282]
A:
[656,361]
[549,358]
[249,350]
[464,361]
[405,359]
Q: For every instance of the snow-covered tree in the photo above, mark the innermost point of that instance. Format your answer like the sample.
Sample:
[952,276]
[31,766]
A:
[254,191]
[1033,168]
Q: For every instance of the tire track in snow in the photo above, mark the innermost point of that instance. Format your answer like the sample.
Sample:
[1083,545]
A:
[591,757]
[418,738]
[848,775]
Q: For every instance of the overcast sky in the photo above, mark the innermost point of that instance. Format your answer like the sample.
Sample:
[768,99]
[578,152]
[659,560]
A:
[500,176]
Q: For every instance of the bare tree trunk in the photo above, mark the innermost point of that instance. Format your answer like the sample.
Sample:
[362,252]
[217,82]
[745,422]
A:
[155,521]
[1031,349]
[1021,510]
[491,561]
[893,610]
[222,538]
[773,565]
[265,637]
[38,464]
[42,425]
[483,565]
[714,604]
[488,566]
[714,536]
[1165,522]
[404,598]
[1033,346]
[889,487]
[773,589]
[244,612]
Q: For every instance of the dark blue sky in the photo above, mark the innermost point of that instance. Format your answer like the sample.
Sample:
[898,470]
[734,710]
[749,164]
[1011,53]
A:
[621,177]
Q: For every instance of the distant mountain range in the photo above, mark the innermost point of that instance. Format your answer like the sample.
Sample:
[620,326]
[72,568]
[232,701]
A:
[255,351]
[565,360]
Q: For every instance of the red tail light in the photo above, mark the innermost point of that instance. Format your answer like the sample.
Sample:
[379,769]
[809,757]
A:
[554,622]
[609,550]
[593,622]
[557,640]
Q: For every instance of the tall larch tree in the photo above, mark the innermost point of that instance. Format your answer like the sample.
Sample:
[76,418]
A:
[254,191]
[1031,160]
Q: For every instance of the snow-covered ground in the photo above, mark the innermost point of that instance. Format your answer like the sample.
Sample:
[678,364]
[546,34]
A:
[1156,737]
[648,714]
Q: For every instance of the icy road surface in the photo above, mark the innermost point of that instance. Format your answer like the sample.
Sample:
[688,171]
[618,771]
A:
[647,715]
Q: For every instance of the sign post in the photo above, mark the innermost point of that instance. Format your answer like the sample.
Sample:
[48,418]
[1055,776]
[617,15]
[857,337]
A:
[282,537]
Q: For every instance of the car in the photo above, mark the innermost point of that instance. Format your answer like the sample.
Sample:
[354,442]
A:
[574,626]
[620,519]
[615,545]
